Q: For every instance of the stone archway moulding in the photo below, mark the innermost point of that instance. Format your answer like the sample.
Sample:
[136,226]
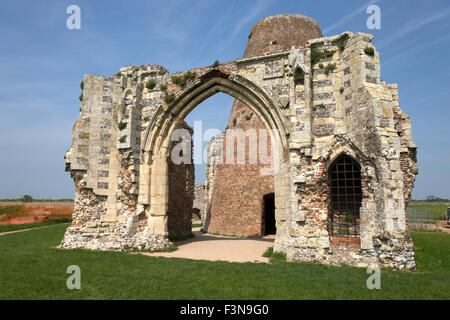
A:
[157,138]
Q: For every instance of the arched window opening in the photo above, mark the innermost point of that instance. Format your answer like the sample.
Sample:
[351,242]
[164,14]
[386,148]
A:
[299,82]
[346,195]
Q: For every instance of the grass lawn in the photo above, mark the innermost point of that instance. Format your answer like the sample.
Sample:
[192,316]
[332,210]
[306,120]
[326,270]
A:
[33,268]
[437,207]
[14,227]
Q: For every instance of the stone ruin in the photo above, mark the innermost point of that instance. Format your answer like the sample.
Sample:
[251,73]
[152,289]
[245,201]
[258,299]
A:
[198,212]
[342,168]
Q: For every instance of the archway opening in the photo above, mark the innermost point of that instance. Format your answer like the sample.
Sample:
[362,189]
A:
[345,197]
[232,154]
[159,143]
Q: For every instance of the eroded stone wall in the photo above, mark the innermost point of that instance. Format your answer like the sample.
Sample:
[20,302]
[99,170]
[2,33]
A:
[199,202]
[181,195]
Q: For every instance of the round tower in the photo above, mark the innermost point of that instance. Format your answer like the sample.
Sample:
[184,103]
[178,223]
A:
[280,32]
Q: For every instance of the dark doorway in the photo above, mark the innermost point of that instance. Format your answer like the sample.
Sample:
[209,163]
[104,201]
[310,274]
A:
[269,214]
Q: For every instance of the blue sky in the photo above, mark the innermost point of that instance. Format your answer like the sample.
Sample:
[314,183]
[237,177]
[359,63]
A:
[42,64]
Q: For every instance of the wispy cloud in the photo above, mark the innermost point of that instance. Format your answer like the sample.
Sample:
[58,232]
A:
[349,16]
[414,25]
[402,59]
[256,10]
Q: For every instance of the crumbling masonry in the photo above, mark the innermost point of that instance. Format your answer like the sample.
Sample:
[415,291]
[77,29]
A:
[346,168]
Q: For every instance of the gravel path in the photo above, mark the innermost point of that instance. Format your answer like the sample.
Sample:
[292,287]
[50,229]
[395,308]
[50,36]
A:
[220,248]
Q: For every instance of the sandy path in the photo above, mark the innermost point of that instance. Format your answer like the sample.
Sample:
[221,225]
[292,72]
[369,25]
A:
[215,248]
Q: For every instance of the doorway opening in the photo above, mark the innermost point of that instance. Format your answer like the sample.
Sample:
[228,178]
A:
[269,226]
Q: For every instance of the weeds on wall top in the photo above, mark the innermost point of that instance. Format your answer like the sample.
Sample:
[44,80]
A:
[369,51]
[183,80]
[317,55]
[150,84]
[122,125]
[169,98]
[341,41]
[144,75]
[215,64]
[330,68]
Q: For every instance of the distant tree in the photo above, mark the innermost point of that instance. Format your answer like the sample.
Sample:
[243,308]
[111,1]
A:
[432,198]
[27,198]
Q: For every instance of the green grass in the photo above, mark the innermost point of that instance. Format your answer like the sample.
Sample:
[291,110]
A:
[434,211]
[437,207]
[274,257]
[182,238]
[197,225]
[33,268]
[14,227]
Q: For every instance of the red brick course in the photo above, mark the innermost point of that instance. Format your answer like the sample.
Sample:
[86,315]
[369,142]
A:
[346,242]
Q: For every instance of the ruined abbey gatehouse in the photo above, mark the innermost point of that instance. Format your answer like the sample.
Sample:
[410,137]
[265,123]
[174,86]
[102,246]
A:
[342,168]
